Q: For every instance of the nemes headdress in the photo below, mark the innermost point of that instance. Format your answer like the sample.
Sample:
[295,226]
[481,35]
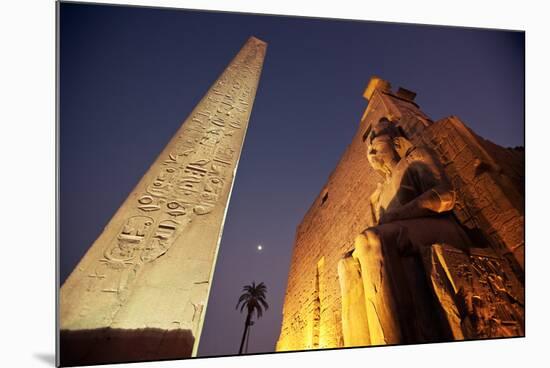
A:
[384,127]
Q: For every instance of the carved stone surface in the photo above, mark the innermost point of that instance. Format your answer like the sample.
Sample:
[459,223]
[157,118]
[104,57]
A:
[478,292]
[488,181]
[151,268]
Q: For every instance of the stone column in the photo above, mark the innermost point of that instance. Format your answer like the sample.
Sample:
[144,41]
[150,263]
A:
[141,290]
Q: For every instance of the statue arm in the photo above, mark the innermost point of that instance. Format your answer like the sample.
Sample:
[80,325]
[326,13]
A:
[437,200]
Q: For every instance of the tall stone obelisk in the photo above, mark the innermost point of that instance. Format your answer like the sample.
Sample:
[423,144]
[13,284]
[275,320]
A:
[140,292]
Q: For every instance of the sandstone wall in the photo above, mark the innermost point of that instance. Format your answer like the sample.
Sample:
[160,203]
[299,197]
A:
[489,180]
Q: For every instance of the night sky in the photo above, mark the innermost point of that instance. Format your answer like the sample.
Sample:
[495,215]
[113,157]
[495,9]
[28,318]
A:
[130,76]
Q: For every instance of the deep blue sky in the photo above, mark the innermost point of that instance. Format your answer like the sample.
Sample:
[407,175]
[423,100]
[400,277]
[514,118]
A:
[130,76]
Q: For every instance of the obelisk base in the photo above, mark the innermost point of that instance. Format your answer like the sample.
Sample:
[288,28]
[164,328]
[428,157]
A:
[108,345]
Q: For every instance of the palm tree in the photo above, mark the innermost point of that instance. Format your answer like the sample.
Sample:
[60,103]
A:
[253,299]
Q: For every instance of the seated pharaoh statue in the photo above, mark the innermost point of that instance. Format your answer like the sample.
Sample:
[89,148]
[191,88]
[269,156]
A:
[385,293]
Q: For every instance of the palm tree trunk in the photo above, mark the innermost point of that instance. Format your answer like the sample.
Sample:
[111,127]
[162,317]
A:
[246,327]
[247,338]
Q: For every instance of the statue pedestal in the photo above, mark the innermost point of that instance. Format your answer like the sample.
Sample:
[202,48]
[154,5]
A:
[478,293]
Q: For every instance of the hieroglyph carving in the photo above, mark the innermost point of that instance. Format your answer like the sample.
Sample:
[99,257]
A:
[478,292]
[190,179]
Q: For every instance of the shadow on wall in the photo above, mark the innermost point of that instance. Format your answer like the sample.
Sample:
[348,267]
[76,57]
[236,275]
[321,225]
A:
[112,345]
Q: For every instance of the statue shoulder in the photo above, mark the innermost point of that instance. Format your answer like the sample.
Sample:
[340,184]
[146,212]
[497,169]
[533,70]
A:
[426,166]
[419,154]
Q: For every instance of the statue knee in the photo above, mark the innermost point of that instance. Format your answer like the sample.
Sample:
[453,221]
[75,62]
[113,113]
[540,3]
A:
[347,265]
[361,244]
[349,275]
[367,243]
[375,244]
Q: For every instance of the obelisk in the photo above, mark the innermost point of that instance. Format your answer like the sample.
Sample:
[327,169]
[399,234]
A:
[141,290]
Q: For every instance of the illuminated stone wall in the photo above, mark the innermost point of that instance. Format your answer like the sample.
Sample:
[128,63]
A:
[489,180]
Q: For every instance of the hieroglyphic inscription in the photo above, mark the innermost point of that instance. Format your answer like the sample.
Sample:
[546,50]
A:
[192,175]
[189,181]
[484,199]
[481,288]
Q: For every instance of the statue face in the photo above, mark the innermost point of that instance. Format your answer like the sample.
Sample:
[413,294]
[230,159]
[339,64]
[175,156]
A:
[381,154]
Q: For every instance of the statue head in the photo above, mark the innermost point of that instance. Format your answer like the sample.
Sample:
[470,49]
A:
[386,145]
